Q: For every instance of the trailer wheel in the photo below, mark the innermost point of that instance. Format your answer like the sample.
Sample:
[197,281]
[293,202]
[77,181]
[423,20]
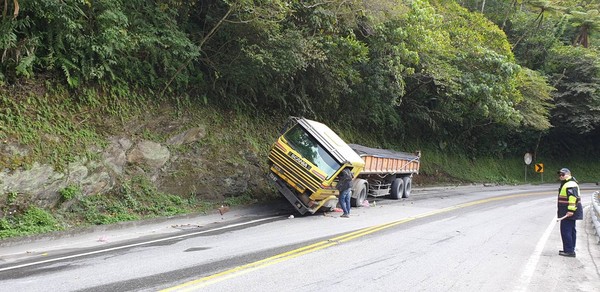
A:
[361,195]
[407,186]
[397,190]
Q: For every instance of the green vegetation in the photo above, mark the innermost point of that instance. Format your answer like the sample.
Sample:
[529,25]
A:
[54,128]
[240,200]
[482,78]
[440,168]
[33,221]
[136,199]
[70,192]
[473,84]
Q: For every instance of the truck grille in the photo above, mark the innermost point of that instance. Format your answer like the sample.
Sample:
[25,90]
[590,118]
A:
[294,172]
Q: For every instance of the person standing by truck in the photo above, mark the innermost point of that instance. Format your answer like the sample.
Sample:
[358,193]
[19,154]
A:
[344,186]
[569,210]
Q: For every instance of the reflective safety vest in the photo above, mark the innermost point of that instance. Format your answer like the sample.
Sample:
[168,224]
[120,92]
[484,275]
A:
[569,200]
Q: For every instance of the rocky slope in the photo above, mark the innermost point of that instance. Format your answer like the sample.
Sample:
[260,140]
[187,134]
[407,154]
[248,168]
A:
[189,155]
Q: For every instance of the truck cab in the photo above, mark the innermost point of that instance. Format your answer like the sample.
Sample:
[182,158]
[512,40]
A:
[304,163]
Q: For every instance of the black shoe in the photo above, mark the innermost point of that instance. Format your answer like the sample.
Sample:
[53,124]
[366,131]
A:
[567,254]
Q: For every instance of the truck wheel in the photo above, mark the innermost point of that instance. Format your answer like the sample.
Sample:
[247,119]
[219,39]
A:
[361,195]
[407,186]
[397,190]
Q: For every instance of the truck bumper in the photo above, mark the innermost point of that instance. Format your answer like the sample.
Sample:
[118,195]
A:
[288,194]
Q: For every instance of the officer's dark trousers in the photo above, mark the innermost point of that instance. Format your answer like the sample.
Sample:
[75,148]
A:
[568,234]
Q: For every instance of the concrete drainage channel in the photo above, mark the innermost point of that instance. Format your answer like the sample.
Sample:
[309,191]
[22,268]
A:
[596,213]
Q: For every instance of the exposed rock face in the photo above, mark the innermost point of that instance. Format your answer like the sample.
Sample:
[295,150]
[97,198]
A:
[189,136]
[114,155]
[148,153]
[183,170]
[41,184]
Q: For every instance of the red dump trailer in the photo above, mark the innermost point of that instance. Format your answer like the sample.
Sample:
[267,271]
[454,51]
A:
[386,172]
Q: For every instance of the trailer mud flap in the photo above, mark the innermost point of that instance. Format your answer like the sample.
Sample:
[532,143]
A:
[287,193]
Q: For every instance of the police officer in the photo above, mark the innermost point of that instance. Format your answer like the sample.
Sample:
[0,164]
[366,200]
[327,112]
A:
[569,207]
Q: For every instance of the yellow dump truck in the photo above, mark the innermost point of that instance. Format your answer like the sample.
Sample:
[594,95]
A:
[307,157]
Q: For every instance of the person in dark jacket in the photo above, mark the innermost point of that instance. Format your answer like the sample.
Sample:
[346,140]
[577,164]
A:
[344,186]
[569,210]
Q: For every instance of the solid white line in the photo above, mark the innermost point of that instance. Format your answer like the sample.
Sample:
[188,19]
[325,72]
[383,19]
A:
[133,245]
[531,264]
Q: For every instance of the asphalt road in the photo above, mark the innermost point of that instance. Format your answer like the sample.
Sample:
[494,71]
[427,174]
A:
[501,238]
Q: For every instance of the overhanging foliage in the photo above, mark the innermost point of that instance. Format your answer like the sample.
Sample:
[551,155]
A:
[438,70]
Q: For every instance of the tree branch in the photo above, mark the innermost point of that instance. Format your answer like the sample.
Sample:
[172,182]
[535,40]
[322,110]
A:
[16,11]
[204,40]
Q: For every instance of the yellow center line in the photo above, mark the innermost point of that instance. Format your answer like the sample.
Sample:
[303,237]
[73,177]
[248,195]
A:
[240,270]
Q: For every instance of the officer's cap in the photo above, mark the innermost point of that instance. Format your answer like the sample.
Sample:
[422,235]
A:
[564,171]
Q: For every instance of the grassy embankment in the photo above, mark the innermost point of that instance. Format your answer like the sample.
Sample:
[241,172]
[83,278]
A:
[48,128]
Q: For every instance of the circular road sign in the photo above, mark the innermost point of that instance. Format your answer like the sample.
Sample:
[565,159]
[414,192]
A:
[527,158]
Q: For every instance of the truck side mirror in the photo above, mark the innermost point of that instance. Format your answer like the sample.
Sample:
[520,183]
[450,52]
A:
[288,124]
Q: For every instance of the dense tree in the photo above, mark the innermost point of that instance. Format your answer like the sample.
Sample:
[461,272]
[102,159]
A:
[397,68]
[544,7]
[576,75]
[108,42]
[586,24]
[17,54]
[468,84]
[15,9]
[537,100]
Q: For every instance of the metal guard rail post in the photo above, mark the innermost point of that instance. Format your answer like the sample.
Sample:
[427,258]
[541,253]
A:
[596,213]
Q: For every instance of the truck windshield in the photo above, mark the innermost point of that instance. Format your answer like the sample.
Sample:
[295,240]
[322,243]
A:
[311,150]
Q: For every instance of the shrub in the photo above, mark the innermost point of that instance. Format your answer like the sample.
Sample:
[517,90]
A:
[70,192]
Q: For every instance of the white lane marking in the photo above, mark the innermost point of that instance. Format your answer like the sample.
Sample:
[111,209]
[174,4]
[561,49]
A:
[532,262]
[134,244]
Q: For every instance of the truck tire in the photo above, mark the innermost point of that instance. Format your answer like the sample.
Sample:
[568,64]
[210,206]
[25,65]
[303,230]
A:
[397,190]
[407,186]
[359,194]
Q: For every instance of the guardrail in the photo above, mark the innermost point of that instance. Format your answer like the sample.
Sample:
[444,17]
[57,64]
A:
[596,213]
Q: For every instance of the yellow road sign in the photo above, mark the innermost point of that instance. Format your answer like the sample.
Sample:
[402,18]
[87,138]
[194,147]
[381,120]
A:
[539,167]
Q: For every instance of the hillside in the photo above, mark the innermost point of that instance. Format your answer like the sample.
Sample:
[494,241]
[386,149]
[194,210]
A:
[156,161]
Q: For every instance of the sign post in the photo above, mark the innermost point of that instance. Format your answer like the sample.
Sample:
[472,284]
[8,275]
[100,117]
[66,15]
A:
[527,158]
[539,167]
